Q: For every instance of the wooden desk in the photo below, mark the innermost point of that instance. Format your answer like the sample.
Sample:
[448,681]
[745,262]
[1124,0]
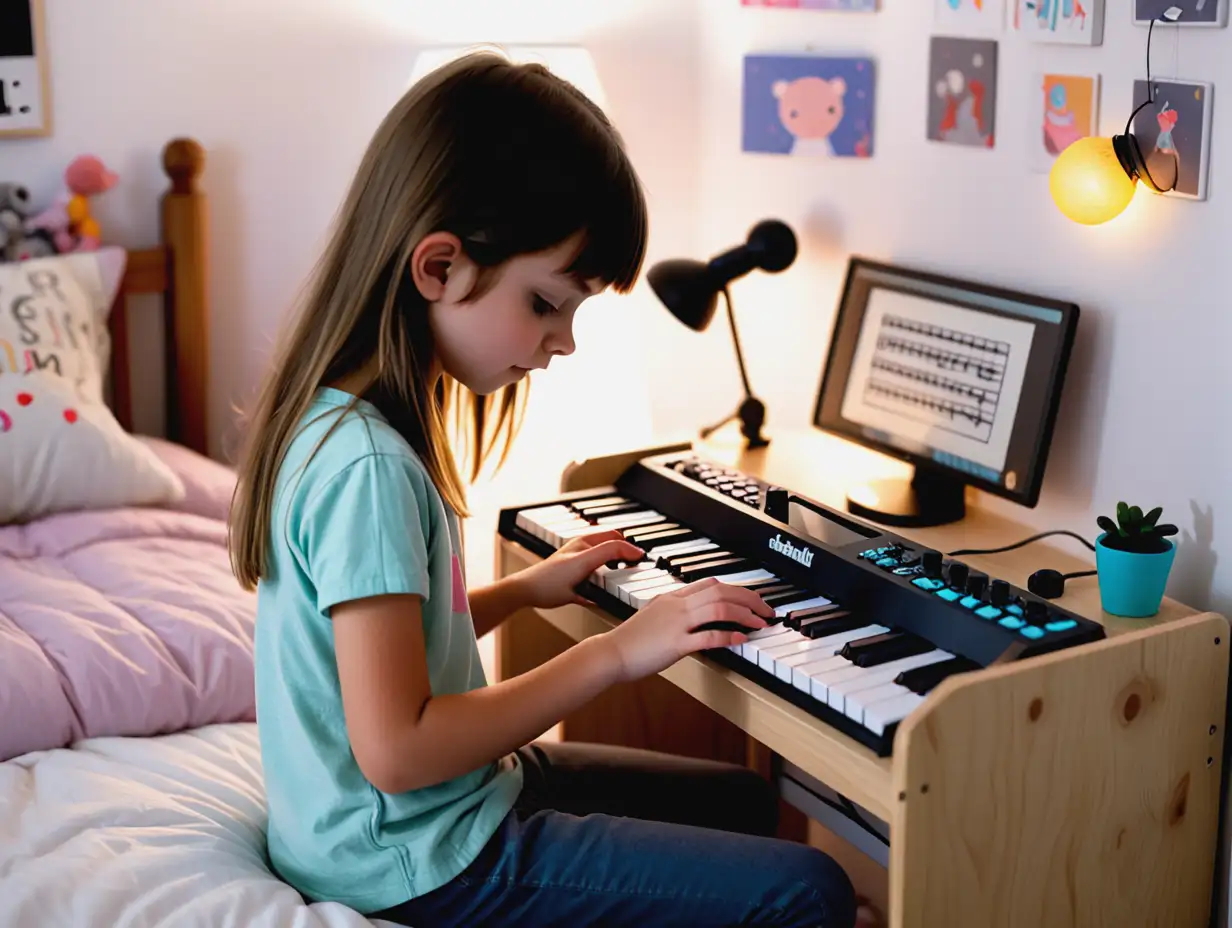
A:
[1081,788]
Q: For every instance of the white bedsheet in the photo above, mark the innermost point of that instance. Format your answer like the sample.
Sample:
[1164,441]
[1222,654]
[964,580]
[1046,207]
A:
[136,832]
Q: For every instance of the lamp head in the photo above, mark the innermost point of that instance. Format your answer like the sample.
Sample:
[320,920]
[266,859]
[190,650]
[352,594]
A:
[690,289]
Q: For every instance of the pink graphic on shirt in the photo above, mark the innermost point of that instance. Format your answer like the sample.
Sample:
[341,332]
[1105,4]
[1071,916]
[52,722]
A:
[459,587]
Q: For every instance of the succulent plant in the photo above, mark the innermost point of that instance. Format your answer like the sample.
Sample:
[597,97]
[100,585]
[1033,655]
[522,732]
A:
[1133,531]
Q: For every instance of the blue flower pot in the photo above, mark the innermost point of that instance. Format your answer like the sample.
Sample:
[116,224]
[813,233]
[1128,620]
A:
[1131,584]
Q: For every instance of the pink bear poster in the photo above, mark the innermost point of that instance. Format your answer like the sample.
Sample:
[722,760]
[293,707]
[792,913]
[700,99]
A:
[808,105]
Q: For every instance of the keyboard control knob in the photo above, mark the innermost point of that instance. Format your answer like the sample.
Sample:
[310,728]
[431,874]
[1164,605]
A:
[931,562]
[774,503]
[977,583]
[999,593]
[1036,612]
[958,575]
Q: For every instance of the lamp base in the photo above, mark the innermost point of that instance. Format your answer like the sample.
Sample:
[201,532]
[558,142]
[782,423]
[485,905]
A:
[752,416]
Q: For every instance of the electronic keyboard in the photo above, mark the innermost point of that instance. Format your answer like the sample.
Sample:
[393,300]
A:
[866,622]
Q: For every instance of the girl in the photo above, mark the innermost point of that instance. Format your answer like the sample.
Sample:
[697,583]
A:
[492,201]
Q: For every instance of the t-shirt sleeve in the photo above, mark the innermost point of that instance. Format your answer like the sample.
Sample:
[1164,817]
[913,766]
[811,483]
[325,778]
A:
[366,532]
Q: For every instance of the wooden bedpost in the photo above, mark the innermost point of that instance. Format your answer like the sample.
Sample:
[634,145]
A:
[185,224]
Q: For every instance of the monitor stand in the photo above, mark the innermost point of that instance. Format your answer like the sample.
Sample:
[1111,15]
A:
[928,498]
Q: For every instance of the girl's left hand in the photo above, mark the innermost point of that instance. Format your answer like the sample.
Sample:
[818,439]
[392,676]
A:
[551,582]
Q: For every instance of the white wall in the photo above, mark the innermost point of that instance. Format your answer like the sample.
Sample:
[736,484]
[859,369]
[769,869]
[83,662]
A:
[1143,416]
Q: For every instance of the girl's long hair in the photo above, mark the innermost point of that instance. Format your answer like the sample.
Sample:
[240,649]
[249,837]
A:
[510,159]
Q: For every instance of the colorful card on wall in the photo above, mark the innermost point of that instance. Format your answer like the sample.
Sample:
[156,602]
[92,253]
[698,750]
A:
[1193,12]
[1066,22]
[809,105]
[982,16]
[962,91]
[1066,109]
[1174,133]
[843,6]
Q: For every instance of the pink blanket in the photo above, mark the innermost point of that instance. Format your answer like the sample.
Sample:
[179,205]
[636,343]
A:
[124,622]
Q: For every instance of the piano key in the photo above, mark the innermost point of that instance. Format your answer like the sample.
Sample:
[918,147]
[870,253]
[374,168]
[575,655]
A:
[537,521]
[812,651]
[923,680]
[630,520]
[883,648]
[690,559]
[729,565]
[880,716]
[787,596]
[660,532]
[868,677]
[699,544]
[839,621]
[747,577]
[642,598]
[802,674]
[586,505]
[796,616]
[783,609]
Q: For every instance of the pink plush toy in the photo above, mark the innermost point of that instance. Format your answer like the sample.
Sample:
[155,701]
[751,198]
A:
[69,219]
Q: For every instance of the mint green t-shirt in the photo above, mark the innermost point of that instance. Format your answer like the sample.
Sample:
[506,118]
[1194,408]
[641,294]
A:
[358,518]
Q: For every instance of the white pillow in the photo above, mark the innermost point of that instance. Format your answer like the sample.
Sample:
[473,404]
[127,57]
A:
[53,316]
[59,453]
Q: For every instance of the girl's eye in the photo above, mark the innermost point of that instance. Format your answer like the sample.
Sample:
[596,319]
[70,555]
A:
[542,307]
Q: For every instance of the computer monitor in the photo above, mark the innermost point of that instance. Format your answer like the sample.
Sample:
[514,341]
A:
[959,379]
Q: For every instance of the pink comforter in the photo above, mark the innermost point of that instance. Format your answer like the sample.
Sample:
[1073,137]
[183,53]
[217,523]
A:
[124,622]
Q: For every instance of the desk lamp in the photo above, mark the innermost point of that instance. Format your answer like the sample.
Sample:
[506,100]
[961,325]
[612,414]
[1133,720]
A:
[690,289]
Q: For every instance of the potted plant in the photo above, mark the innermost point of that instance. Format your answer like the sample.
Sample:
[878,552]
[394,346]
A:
[1133,558]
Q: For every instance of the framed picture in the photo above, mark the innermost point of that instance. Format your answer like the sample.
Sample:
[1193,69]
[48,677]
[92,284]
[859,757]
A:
[1174,133]
[1064,22]
[1193,12]
[967,17]
[1065,109]
[808,105]
[842,6]
[962,91]
[25,103]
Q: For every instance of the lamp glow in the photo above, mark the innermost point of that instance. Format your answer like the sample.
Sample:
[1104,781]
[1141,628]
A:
[1088,182]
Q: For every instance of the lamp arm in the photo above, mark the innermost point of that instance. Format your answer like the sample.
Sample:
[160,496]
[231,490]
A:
[731,318]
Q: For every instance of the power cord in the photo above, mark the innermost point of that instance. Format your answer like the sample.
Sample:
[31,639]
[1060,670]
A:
[1046,583]
[1023,543]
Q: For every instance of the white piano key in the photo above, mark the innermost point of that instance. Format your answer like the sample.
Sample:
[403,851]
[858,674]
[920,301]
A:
[746,577]
[630,520]
[783,608]
[642,598]
[614,580]
[697,546]
[538,521]
[805,676]
[585,505]
[819,649]
[881,673]
[858,702]
[627,590]
[881,715]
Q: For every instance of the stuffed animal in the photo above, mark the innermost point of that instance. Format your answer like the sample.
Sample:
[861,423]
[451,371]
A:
[69,220]
[16,243]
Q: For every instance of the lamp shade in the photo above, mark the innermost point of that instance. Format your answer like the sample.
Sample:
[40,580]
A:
[687,289]
[573,63]
[1088,182]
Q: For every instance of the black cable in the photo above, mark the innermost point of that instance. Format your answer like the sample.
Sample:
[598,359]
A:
[856,817]
[1150,98]
[1019,544]
[1079,573]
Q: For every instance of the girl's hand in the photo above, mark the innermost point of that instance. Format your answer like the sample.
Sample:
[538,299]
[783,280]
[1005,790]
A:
[665,630]
[552,582]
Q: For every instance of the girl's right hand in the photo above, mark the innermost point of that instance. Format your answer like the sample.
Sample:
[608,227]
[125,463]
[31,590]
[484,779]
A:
[664,631]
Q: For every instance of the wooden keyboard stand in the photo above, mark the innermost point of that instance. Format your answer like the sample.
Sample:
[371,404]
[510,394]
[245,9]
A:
[1081,788]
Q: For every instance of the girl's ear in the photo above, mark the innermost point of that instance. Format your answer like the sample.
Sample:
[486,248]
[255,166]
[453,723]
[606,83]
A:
[436,259]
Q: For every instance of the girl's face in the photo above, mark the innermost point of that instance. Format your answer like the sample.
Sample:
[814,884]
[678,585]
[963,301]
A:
[519,325]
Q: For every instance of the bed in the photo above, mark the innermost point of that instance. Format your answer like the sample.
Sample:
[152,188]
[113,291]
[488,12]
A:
[130,778]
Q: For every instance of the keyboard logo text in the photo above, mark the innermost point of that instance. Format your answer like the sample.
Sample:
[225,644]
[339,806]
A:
[800,555]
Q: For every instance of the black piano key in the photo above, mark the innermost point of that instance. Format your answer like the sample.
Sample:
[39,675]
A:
[794,618]
[883,648]
[615,509]
[843,621]
[731,565]
[923,680]
[770,587]
[795,594]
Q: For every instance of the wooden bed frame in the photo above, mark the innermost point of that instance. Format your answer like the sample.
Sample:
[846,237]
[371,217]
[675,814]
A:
[177,269]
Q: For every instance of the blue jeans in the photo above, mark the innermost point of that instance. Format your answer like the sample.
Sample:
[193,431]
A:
[608,836]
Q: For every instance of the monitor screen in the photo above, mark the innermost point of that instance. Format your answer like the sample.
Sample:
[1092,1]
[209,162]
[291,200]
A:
[947,374]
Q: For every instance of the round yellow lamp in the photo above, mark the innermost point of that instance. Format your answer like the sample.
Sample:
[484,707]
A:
[1089,182]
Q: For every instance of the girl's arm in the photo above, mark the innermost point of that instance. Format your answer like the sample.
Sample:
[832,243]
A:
[404,737]
[492,604]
